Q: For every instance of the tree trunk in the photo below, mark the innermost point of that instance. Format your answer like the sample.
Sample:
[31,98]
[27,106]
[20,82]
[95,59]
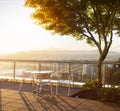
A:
[99,72]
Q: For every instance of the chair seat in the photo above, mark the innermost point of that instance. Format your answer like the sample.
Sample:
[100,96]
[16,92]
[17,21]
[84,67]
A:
[42,80]
[59,80]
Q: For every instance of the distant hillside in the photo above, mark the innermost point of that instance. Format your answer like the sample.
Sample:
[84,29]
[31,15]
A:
[59,55]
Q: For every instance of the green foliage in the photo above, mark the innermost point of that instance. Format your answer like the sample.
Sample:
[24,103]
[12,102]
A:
[77,17]
[109,94]
[103,94]
[93,85]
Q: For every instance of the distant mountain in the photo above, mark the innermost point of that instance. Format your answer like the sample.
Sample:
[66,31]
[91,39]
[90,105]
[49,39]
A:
[59,55]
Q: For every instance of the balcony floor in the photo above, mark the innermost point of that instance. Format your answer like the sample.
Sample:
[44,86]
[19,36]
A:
[11,100]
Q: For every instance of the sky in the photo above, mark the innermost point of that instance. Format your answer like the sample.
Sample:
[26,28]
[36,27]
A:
[18,32]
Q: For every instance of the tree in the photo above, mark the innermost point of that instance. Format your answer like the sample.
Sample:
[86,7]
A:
[97,21]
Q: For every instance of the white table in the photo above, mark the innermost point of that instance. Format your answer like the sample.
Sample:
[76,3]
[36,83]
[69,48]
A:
[33,75]
[41,72]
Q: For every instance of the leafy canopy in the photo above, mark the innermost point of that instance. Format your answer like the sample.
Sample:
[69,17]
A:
[93,20]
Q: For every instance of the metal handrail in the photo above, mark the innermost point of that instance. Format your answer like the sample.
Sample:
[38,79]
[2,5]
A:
[67,69]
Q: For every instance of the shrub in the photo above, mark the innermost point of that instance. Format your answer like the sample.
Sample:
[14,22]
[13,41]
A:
[109,94]
[104,94]
[93,85]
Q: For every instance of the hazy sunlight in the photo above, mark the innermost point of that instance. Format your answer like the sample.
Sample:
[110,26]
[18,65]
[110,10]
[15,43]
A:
[19,33]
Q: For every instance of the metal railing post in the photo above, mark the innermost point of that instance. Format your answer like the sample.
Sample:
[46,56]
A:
[14,68]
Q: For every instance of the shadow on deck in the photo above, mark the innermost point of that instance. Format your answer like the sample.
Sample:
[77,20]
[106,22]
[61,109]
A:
[27,87]
[11,100]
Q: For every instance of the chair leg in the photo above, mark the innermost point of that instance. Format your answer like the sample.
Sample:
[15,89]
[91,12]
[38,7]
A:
[37,89]
[40,89]
[69,88]
[57,83]
[51,89]
[21,84]
[56,89]
[71,85]
[20,87]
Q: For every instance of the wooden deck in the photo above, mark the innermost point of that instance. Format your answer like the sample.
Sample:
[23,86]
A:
[26,100]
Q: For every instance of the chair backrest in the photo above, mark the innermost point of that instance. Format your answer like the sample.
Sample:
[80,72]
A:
[56,76]
[43,76]
[26,73]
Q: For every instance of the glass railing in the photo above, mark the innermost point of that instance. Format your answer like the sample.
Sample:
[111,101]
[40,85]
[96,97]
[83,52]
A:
[82,71]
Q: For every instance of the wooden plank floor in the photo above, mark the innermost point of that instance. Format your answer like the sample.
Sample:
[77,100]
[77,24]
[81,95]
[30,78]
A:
[12,100]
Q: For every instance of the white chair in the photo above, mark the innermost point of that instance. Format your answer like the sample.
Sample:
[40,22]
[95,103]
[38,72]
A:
[69,81]
[42,81]
[26,74]
[54,78]
[61,80]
